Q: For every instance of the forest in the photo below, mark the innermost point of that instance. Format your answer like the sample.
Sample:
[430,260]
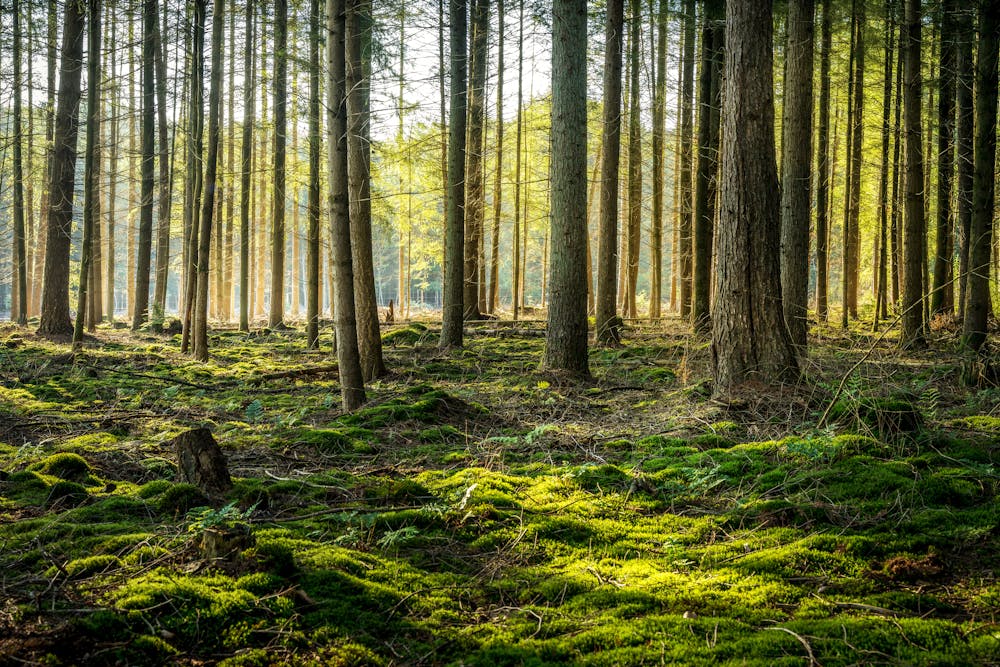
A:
[510,332]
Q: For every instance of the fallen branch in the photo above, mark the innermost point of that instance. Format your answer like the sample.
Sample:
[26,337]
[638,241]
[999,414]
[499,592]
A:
[813,662]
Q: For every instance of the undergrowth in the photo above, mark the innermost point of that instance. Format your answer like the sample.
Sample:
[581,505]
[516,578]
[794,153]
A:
[476,513]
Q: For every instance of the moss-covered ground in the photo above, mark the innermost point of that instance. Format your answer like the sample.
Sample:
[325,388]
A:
[479,512]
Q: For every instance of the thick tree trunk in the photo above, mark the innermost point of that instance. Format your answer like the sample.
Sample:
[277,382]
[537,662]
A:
[145,244]
[608,333]
[451,328]
[977,307]
[566,338]
[796,175]
[823,165]
[912,334]
[749,336]
[352,388]
[194,159]
[55,292]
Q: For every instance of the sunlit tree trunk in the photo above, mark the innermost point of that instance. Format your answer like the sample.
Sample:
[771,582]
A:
[912,334]
[686,232]
[277,310]
[852,229]
[246,159]
[942,292]
[312,252]
[823,164]
[163,213]
[19,310]
[519,140]
[494,289]
[475,194]
[194,157]
[881,293]
[659,136]
[632,228]
[965,136]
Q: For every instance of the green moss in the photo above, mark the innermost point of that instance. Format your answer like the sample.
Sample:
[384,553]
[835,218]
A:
[65,465]
[329,440]
[67,494]
[180,499]
[408,335]
[85,567]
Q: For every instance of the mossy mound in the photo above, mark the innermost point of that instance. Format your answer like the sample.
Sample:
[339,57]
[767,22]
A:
[65,465]
[179,499]
[411,334]
[432,406]
[67,494]
[338,440]
[890,419]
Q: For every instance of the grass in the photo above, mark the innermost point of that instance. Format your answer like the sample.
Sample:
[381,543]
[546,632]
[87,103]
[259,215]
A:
[475,512]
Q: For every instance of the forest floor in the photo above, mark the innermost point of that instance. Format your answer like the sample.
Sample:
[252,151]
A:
[479,512]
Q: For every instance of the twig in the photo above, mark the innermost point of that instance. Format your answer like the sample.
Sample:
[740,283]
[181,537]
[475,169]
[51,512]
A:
[813,662]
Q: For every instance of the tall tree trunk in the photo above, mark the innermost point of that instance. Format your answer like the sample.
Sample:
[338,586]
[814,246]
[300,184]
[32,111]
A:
[942,293]
[796,175]
[494,291]
[145,244]
[566,337]
[246,159]
[163,212]
[19,311]
[687,139]
[359,20]
[632,228]
[749,336]
[200,336]
[895,229]
[659,135]
[607,236]
[114,102]
[50,122]
[475,194]
[852,230]
[133,166]
[516,285]
[881,292]
[277,310]
[312,252]
[229,264]
[965,135]
[91,182]
[977,305]
[194,156]
[352,388]
[709,84]
[912,334]
[823,164]
[55,291]
[451,329]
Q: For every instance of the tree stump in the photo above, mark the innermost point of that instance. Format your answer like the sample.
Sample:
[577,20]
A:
[201,462]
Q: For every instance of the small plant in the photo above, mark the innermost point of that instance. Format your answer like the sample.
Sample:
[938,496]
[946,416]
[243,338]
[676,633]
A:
[254,412]
[228,516]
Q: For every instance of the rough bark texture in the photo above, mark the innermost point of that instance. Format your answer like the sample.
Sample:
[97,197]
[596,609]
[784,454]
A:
[912,334]
[631,240]
[163,213]
[201,462]
[607,234]
[62,178]
[566,339]
[796,175]
[942,292]
[965,131]
[246,159]
[454,242]
[852,231]
[749,336]
[687,137]
[977,307]
[881,293]
[709,123]
[475,194]
[493,295]
[352,386]
[19,312]
[276,313]
[659,136]
[312,251]
[823,164]
[140,311]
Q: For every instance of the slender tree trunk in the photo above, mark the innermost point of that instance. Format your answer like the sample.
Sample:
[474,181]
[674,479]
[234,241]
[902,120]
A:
[709,102]
[977,307]
[883,196]
[133,168]
[494,291]
[451,329]
[163,213]
[114,105]
[516,250]
[192,223]
[566,337]
[659,135]
[912,334]
[312,252]
[796,176]
[823,164]
[632,228]
[276,315]
[19,311]
[352,386]
[246,159]
[895,229]
[145,243]
[852,231]
[359,19]
[965,135]
[41,251]
[607,236]
[749,336]
[687,139]
[475,194]
[229,243]
[942,293]
[55,291]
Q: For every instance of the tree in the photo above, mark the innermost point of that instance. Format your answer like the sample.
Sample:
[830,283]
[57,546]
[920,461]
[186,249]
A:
[163,213]
[823,162]
[749,336]
[20,312]
[200,335]
[709,122]
[566,338]
[475,193]
[852,194]
[312,252]
[276,315]
[91,162]
[881,293]
[796,175]
[62,177]
[942,292]
[352,388]
[607,235]
[246,166]
[687,136]
[192,188]
[149,24]
[630,259]
[659,134]
[912,334]
[452,310]
[358,67]
[494,290]
[965,132]
[977,305]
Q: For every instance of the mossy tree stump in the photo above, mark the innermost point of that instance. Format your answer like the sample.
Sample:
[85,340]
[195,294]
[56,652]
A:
[201,462]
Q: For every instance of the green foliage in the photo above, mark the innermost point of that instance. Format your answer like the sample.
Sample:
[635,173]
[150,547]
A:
[180,499]
[67,494]
[227,516]
[65,465]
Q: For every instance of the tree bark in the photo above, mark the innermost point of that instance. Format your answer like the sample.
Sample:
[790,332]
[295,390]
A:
[475,194]
[246,160]
[276,314]
[912,334]
[494,291]
[965,136]
[942,292]
[193,195]
[852,230]
[55,291]
[634,185]
[19,311]
[145,243]
[881,293]
[659,136]
[312,252]
[687,139]
[749,336]
[163,212]
[566,338]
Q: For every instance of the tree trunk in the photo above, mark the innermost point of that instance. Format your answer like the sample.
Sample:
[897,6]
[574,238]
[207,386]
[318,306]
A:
[823,164]
[55,291]
[749,336]
[659,136]
[276,315]
[114,103]
[359,19]
[912,334]
[475,194]
[163,212]
[145,244]
[194,157]
[881,255]
[634,186]
[41,251]
[352,388]
[852,231]
[200,336]
[608,333]
[965,135]
[796,176]
[312,252]
[895,230]
[687,139]
[494,291]
[200,462]
[566,338]
[942,293]
[91,183]
[977,307]
[246,159]
[516,250]
[709,84]
[451,328]
[19,309]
